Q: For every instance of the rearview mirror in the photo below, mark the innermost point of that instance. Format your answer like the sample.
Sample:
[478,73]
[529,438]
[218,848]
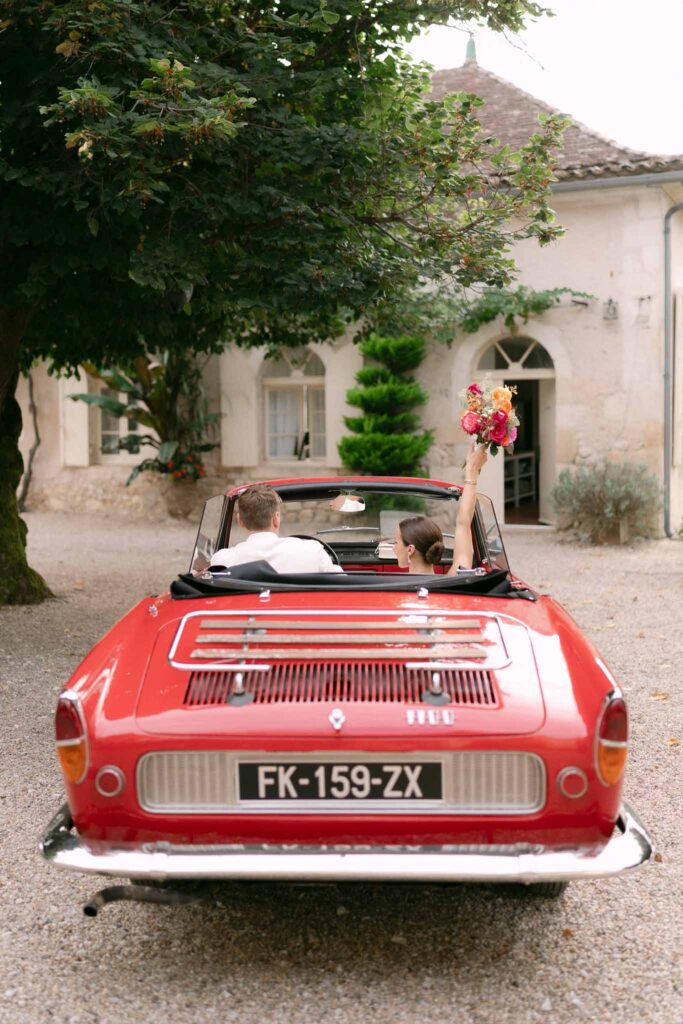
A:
[347,503]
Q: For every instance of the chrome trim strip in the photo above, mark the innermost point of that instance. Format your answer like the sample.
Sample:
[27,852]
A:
[269,623]
[454,666]
[438,651]
[262,636]
[459,783]
[62,847]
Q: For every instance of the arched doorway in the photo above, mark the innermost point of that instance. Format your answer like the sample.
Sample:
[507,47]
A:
[528,474]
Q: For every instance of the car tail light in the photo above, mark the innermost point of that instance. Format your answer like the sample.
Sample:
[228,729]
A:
[611,742]
[72,740]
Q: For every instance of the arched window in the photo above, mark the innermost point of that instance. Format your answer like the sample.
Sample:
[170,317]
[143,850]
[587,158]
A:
[517,357]
[294,405]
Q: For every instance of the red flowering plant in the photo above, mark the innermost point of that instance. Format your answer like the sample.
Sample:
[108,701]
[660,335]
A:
[489,415]
[183,466]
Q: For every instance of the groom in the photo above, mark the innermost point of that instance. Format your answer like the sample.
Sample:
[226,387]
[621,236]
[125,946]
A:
[258,512]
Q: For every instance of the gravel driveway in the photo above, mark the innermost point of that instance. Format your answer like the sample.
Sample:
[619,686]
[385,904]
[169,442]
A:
[606,952]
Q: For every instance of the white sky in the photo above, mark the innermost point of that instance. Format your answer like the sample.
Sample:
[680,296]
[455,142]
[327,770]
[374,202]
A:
[615,65]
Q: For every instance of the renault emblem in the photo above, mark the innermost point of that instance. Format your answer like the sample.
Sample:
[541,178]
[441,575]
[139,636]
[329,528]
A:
[337,719]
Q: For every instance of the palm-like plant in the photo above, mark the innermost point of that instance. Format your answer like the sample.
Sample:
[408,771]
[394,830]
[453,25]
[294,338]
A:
[165,394]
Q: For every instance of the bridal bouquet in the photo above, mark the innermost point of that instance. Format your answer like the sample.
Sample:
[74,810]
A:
[489,416]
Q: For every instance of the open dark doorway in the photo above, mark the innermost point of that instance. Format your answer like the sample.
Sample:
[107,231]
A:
[521,470]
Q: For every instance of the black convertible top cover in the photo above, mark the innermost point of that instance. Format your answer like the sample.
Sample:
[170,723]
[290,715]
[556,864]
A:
[253,577]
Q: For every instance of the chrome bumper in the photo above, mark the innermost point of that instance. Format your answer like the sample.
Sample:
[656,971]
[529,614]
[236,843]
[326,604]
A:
[632,846]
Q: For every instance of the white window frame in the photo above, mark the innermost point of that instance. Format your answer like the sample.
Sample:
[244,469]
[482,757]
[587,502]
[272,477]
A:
[301,387]
[515,370]
[122,457]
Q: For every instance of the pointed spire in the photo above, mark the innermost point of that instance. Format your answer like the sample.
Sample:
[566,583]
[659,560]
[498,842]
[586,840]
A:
[471,51]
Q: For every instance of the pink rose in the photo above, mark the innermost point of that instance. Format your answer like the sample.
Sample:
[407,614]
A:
[474,389]
[470,423]
[500,418]
[513,434]
[498,433]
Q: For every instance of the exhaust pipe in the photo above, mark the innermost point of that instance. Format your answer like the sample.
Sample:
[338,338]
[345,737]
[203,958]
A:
[138,894]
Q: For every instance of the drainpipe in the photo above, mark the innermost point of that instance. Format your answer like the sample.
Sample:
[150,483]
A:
[668,370]
[650,179]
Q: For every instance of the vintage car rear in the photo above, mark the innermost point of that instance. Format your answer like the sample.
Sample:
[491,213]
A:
[368,725]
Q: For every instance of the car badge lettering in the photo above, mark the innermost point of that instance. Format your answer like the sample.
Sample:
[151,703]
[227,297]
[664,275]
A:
[337,719]
[430,716]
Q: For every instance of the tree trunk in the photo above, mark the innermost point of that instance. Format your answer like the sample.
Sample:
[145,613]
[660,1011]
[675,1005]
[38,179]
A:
[19,584]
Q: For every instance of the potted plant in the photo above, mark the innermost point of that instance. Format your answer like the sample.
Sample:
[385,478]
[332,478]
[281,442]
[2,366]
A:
[164,393]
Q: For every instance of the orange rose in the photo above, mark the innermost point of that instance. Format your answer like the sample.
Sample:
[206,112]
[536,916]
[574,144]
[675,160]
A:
[504,404]
[501,395]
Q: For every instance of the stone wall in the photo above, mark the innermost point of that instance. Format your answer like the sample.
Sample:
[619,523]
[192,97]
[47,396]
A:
[99,491]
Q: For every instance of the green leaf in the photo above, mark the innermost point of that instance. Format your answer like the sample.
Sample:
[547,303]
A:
[130,443]
[117,382]
[167,450]
[113,406]
[94,226]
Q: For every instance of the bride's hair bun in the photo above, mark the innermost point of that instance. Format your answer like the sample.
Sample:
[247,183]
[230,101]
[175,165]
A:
[434,552]
[426,537]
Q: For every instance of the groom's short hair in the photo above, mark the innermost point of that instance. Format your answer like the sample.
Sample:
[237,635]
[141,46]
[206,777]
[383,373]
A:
[257,506]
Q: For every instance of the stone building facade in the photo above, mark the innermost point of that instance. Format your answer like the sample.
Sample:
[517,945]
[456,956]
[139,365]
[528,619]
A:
[590,377]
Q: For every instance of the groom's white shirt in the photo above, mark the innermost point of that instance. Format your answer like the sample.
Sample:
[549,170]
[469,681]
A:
[284,554]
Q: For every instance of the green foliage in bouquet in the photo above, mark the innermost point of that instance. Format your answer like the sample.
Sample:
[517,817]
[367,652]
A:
[386,439]
[613,501]
[164,394]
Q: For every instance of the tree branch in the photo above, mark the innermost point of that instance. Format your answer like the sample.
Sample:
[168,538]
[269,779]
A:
[28,471]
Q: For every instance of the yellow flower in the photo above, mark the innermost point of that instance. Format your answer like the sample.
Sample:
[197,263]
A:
[501,395]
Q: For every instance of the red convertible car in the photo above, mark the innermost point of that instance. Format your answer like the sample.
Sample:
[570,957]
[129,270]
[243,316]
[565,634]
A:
[370,724]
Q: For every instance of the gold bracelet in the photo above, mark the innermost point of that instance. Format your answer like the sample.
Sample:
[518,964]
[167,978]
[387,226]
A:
[470,482]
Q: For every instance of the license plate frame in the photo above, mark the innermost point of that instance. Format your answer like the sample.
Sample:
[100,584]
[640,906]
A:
[363,781]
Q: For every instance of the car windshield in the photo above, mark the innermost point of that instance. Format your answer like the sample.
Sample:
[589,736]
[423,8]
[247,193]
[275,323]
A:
[357,523]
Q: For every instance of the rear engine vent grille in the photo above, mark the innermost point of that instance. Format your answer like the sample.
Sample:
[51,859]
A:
[295,682]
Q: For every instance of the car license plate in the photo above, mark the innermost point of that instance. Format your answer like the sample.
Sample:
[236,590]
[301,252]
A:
[308,780]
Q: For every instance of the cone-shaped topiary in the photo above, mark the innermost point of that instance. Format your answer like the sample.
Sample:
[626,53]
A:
[387,441]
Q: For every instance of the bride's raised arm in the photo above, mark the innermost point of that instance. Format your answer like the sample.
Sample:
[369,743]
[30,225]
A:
[463,550]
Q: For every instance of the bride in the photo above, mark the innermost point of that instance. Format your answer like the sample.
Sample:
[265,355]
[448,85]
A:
[419,541]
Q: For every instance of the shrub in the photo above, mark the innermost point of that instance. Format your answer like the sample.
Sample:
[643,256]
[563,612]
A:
[386,440]
[613,501]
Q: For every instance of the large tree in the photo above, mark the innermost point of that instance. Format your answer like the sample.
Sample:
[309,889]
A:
[189,173]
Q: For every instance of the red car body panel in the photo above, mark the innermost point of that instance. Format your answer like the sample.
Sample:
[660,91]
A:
[551,694]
